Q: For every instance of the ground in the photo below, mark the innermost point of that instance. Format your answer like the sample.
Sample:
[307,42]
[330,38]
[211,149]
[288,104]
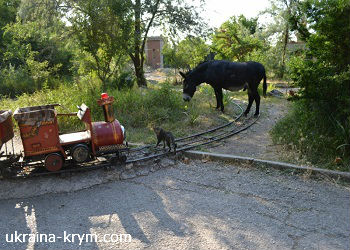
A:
[176,204]
[256,141]
[200,205]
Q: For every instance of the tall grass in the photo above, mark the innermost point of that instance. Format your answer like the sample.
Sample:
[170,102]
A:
[317,137]
[69,96]
[137,109]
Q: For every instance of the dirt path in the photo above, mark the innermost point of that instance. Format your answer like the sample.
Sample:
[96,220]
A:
[256,141]
[168,204]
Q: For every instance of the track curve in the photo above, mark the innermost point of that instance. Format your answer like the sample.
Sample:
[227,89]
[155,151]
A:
[147,152]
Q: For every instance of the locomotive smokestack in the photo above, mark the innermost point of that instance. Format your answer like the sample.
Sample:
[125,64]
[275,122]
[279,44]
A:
[106,103]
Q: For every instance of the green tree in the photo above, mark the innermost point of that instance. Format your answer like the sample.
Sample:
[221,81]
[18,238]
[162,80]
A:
[34,50]
[108,27]
[38,25]
[8,11]
[103,29]
[323,79]
[329,18]
[280,30]
[185,54]
[178,15]
[237,39]
[49,44]
[320,123]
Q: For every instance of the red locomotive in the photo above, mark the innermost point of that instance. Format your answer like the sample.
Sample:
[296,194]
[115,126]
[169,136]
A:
[42,141]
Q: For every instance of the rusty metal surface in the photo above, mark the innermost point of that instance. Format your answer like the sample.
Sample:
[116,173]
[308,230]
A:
[53,162]
[33,115]
[4,114]
[40,138]
[6,126]
[106,133]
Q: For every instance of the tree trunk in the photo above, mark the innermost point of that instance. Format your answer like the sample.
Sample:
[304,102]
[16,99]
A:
[286,35]
[140,76]
[285,42]
[137,58]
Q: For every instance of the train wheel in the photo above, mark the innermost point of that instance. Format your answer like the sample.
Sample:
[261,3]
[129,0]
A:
[80,153]
[53,162]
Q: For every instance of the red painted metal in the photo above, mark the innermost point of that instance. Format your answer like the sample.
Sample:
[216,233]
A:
[39,130]
[41,139]
[104,96]
[6,127]
[106,103]
[53,162]
[106,133]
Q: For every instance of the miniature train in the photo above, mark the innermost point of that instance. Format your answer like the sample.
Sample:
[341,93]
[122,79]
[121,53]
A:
[45,146]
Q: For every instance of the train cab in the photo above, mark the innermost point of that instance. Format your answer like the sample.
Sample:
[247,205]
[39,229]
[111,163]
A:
[42,140]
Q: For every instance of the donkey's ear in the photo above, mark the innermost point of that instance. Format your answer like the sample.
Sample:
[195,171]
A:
[182,74]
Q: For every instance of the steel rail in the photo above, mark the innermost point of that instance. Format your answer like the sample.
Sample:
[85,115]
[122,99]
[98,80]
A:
[231,133]
[198,140]
[143,156]
[199,133]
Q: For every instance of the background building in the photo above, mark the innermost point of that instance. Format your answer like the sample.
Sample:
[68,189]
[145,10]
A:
[153,50]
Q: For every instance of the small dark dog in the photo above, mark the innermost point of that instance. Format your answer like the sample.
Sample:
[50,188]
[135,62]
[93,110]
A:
[166,137]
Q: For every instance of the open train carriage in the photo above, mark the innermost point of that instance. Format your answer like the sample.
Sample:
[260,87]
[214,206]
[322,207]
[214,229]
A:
[6,127]
[38,129]
[39,133]
[41,139]
[7,157]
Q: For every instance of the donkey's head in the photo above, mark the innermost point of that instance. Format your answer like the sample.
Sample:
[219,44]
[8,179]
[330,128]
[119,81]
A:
[189,86]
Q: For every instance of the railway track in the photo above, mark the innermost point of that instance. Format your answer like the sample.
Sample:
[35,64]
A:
[147,152]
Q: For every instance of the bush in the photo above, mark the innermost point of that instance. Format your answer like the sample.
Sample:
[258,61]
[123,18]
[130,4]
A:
[324,84]
[317,137]
[15,81]
[320,123]
[125,80]
[69,95]
[140,108]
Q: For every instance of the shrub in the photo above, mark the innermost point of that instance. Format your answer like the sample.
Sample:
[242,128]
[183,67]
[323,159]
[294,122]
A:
[125,80]
[140,108]
[314,135]
[320,123]
[15,81]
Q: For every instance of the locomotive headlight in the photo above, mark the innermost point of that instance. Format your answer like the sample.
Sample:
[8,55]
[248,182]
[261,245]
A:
[123,130]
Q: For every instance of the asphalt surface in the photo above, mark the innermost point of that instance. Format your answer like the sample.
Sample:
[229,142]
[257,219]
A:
[185,206]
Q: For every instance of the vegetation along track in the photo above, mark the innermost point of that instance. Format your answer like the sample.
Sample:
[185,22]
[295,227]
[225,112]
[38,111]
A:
[148,152]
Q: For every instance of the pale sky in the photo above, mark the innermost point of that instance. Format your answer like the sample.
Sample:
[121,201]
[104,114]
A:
[219,11]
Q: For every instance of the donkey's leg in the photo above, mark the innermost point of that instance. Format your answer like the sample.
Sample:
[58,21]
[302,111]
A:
[217,98]
[220,99]
[257,102]
[251,99]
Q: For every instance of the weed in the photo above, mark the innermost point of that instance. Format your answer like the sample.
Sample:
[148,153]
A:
[316,136]
[137,109]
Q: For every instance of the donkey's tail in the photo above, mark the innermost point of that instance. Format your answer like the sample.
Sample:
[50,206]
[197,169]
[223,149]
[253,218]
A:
[264,85]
